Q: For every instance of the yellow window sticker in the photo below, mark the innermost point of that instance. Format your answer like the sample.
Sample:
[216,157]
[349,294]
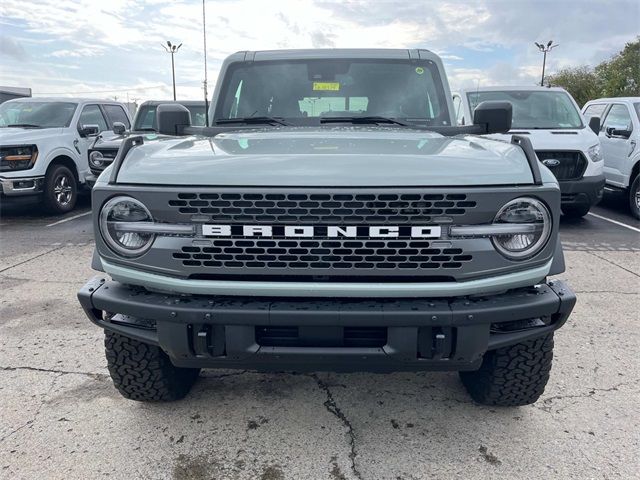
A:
[326,86]
[419,70]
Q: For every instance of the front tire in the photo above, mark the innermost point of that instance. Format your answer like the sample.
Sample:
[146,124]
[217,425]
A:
[575,211]
[144,372]
[512,376]
[634,197]
[60,190]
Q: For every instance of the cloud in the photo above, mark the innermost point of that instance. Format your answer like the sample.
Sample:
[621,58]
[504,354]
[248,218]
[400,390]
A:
[12,48]
[95,45]
[77,52]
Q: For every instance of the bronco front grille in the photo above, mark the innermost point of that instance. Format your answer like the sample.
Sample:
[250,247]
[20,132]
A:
[571,167]
[341,254]
[320,208]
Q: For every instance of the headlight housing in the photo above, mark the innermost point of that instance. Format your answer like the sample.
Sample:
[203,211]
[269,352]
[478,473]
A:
[20,157]
[529,213]
[122,222]
[96,159]
[594,152]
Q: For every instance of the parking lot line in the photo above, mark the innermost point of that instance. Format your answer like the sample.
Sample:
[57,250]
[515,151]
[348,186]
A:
[68,219]
[615,221]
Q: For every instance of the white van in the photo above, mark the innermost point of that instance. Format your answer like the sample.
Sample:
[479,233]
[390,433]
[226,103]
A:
[560,136]
[620,135]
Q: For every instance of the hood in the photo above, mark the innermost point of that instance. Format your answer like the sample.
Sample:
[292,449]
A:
[25,136]
[579,139]
[337,156]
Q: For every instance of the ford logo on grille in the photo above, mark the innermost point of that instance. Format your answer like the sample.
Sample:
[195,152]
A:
[325,231]
[551,162]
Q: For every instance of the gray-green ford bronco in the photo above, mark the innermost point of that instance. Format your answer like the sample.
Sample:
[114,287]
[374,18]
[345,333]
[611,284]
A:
[332,216]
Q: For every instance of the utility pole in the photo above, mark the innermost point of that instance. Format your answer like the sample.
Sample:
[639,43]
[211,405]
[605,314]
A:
[172,49]
[545,49]
[204,38]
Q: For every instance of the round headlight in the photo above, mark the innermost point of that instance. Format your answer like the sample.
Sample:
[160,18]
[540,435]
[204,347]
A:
[121,220]
[524,211]
[96,159]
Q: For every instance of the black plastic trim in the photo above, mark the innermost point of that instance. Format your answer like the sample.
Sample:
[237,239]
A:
[532,158]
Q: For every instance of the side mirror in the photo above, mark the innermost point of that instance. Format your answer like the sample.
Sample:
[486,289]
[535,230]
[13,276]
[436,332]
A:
[171,118]
[88,130]
[119,128]
[618,131]
[594,124]
[494,115]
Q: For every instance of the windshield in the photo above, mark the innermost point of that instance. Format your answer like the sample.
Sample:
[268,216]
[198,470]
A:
[637,107]
[37,114]
[534,109]
[146,116]
[294,90]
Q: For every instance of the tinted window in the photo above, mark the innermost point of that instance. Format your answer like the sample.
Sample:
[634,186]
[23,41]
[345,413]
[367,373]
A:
[618,117]
[116,114]
[92,115]
[534,109]
[341,87]
[595,110]
[39,114]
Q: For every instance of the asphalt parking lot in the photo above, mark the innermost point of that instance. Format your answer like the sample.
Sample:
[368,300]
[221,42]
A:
[62,418]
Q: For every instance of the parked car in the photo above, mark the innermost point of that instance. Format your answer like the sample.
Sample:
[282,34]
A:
[331,217]
[620,136]
[105,147]
[551,119]
[44,144]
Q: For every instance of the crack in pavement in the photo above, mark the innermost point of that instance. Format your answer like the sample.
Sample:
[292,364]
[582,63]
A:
[590,394]
[32,258]
[45,395]
[332,407]
[615,264]
[96,376]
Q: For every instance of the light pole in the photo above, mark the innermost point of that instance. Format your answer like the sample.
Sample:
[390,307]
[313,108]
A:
[545,49]
[172,49]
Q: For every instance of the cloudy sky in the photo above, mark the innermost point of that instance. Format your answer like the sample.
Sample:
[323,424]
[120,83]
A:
[113,48]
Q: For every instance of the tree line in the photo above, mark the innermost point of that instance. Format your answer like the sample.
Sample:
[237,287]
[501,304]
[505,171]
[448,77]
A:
[617,77]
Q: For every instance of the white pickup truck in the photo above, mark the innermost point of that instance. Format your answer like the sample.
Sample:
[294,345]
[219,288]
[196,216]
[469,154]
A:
[43,147]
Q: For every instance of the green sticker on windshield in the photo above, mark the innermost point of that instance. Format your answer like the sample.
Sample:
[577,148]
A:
[419,70]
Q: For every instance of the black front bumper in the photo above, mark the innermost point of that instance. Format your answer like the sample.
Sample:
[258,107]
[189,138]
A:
[327,334]
[582,192]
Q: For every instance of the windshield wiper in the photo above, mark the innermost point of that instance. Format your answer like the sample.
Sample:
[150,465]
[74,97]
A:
[373,120]
[24,125]
[252,120]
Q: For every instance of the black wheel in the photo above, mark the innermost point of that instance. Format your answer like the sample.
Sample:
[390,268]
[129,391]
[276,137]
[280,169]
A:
[512,376]
[634,197]
[144,372]
[575,211]
[60,190]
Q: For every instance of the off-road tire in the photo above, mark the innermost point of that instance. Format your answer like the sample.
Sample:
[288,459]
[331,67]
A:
[60,190]
[512,376]
[576,211]
[634,189]
[144,372]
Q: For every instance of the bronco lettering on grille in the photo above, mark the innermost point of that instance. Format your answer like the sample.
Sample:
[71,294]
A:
[322,231]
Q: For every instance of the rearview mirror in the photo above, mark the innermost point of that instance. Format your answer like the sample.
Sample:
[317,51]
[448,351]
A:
[494,115]
[594,124]
[88,130]
[171,118]
[119,128]
[618,131]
